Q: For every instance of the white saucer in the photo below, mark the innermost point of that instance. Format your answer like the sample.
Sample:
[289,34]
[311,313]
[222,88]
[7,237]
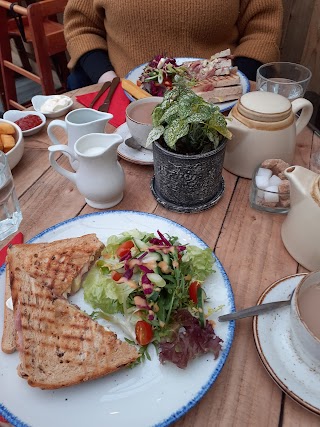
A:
[141,157]
[273,341]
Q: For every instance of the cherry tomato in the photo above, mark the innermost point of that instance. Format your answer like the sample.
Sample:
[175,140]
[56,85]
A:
[193,289]
[144,333]
[124,248]
[116,276]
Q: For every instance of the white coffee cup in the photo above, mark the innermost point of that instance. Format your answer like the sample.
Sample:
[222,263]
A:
[304,340]
[139,119]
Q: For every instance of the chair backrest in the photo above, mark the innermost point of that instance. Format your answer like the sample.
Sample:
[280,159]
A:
[44,33]
[47,36]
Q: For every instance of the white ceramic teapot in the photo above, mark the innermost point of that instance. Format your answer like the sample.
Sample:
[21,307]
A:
[99,177]
[300,230]
[263,126]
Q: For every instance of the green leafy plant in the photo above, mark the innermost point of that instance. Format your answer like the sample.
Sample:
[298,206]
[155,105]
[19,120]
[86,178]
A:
[186,124]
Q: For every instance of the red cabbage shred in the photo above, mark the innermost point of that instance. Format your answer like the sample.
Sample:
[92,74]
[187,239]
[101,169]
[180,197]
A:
[188,340]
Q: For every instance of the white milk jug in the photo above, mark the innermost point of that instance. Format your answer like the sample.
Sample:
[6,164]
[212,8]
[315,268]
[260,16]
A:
[99,176]
[79,123]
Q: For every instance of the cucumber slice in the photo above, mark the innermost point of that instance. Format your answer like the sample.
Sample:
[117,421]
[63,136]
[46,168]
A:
[152,256]
[142,246]
[166,258]
[156,279]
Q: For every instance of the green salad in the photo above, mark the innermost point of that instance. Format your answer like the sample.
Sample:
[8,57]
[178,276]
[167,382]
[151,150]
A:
[151,286]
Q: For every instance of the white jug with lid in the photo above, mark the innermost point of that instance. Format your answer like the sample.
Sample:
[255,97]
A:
[264,126]
[99,177]
[300,230]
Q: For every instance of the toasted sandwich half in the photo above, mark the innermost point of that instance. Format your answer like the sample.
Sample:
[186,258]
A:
[59,344]
[60,265]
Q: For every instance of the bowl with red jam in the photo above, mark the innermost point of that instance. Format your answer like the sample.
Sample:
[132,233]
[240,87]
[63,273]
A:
[30,122]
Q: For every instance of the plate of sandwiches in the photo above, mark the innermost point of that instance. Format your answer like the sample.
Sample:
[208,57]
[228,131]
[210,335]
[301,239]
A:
[58,366]
[215,79]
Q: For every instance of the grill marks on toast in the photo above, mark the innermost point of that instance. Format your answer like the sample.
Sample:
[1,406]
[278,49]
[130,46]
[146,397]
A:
[59,262]
[61,345]
[55,264]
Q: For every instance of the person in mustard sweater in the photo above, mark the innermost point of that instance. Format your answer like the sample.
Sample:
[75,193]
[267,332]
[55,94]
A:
[106,38]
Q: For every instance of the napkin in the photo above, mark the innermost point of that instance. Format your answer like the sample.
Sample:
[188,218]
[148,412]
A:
[18,238]
[118,105]
[4,422]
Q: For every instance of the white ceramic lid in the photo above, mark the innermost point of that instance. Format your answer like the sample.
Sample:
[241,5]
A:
[264,106]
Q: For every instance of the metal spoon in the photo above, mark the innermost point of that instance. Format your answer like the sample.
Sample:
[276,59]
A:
[132,143]
[255,310]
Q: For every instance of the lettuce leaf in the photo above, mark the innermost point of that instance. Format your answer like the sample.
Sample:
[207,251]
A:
[197,262]
[104,293]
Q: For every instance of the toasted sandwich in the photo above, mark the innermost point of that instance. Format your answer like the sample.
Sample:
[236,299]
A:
[216,79]
[59,265]
[59,344]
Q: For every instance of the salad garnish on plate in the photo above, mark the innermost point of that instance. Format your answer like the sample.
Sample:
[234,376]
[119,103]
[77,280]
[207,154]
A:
[151,286]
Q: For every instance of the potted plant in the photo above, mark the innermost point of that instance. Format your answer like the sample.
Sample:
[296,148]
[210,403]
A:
[189,137]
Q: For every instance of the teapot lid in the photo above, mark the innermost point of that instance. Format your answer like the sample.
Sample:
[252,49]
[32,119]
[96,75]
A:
[264,106]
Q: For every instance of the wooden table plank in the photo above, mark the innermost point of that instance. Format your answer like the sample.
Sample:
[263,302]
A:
[246,241]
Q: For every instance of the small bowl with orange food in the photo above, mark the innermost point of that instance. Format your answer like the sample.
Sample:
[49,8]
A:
[11,142]
[30,122]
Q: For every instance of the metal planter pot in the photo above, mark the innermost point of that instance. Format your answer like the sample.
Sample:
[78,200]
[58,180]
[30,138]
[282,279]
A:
[187,183]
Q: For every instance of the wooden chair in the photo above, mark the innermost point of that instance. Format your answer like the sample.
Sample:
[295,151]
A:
[46,36]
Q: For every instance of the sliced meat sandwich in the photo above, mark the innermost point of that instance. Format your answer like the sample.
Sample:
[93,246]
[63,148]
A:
[59,265]
[60,345]
[216,80]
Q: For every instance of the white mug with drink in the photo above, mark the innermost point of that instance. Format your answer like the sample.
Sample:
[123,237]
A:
[10,213]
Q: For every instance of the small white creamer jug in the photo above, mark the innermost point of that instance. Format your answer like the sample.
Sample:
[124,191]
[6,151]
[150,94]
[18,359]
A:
[78,123]
[99,176]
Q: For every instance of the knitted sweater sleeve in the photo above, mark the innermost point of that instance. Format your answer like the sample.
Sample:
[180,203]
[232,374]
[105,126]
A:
[260,25]
[83,29]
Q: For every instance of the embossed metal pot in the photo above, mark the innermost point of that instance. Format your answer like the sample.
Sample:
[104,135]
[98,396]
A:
[187,183]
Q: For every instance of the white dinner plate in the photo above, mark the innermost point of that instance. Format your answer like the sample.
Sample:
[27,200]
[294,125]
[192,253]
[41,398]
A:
[140,157]
[273,341]
[150,394]
[134,75]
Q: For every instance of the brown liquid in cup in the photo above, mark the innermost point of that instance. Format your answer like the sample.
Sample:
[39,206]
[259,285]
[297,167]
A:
[309,307]
[142,113]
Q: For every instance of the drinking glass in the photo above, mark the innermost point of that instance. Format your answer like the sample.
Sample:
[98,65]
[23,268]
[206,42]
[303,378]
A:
[285,78]
[10,213]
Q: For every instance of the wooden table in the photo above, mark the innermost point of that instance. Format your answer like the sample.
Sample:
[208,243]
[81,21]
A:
[246,241]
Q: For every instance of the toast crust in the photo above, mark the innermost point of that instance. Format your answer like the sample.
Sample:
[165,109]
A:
[8,342]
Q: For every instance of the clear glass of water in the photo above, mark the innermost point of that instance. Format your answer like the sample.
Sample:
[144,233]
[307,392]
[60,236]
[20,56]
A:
[10,213]
[285,78]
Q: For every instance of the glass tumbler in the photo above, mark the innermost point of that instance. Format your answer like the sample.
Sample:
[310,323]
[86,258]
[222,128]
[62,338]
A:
[284,78]
[10,213]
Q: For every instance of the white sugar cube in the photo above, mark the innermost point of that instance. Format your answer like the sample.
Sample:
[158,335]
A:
[260,194]
[264,172]
[275,180]
[271,194]
[262,181]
